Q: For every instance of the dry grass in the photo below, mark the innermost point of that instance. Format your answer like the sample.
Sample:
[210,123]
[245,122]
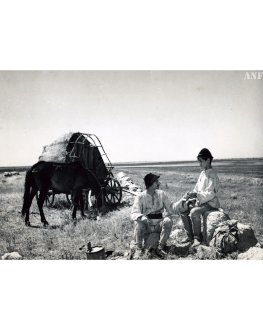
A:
[62,239]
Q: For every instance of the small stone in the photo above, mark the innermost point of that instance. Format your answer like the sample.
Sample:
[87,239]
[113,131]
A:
[246,236]
[12,256]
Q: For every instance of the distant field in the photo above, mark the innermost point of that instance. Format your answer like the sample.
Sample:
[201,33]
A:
[252,168]
[14,169]
[191,162]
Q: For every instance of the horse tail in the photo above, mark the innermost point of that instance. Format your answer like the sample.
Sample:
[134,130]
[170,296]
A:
[28,184]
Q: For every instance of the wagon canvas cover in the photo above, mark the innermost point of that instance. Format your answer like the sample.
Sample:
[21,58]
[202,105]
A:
[75,147]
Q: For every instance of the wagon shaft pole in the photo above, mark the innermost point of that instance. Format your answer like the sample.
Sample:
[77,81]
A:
[130,192]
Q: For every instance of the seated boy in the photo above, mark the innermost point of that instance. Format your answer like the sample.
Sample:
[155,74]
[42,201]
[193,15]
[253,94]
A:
[203,198]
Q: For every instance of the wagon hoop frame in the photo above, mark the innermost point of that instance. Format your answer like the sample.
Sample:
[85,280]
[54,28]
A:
[96,142]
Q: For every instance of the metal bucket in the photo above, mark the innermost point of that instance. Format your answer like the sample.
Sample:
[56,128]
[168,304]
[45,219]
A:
[96,253]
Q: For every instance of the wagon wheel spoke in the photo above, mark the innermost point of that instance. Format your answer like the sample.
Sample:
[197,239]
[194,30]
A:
[117,199]
[114,196]
[113,191]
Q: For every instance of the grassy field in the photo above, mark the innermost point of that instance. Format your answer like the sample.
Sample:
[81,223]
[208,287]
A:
[114,230]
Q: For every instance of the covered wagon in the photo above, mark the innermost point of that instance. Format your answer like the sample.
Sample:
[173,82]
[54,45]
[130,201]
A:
[87,150]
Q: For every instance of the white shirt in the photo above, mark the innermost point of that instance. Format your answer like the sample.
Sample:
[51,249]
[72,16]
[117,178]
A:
[145,204]
[207,187]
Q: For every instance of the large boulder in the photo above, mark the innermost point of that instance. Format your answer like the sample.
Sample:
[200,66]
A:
[178,235]
[247,237]
[12,256]
[179,249]
[254,253]
[210,220]
[174,243]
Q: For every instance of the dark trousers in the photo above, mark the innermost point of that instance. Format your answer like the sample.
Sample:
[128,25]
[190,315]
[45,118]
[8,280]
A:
[192,220]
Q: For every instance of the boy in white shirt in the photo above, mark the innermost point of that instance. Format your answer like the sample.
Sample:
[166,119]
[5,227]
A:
[203,198]
[147,213]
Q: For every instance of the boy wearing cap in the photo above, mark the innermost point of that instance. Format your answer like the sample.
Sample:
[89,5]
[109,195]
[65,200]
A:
[204,196]
[147,214]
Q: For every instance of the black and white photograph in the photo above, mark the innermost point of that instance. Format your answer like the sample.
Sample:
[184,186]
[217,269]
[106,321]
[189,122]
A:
[128,165]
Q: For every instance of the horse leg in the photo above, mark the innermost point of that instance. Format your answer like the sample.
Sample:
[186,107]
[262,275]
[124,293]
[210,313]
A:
[40,202]
[29,202]
[82,206]
[75,201]
[101,203]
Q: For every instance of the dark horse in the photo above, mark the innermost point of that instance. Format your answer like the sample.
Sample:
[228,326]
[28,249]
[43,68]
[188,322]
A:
[62,178]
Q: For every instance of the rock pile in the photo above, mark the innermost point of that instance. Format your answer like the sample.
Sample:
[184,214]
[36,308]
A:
[127,184]
[6,174]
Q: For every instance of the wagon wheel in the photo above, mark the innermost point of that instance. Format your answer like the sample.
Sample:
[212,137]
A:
[49,198]
[113,191]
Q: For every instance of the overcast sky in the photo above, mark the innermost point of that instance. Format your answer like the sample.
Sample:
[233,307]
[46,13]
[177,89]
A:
[137,115]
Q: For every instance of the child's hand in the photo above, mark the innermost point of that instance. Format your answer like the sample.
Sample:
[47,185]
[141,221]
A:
[191,200]
[186,196]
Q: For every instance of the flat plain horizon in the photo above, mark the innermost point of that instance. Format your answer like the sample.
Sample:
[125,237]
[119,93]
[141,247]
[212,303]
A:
[160,162]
